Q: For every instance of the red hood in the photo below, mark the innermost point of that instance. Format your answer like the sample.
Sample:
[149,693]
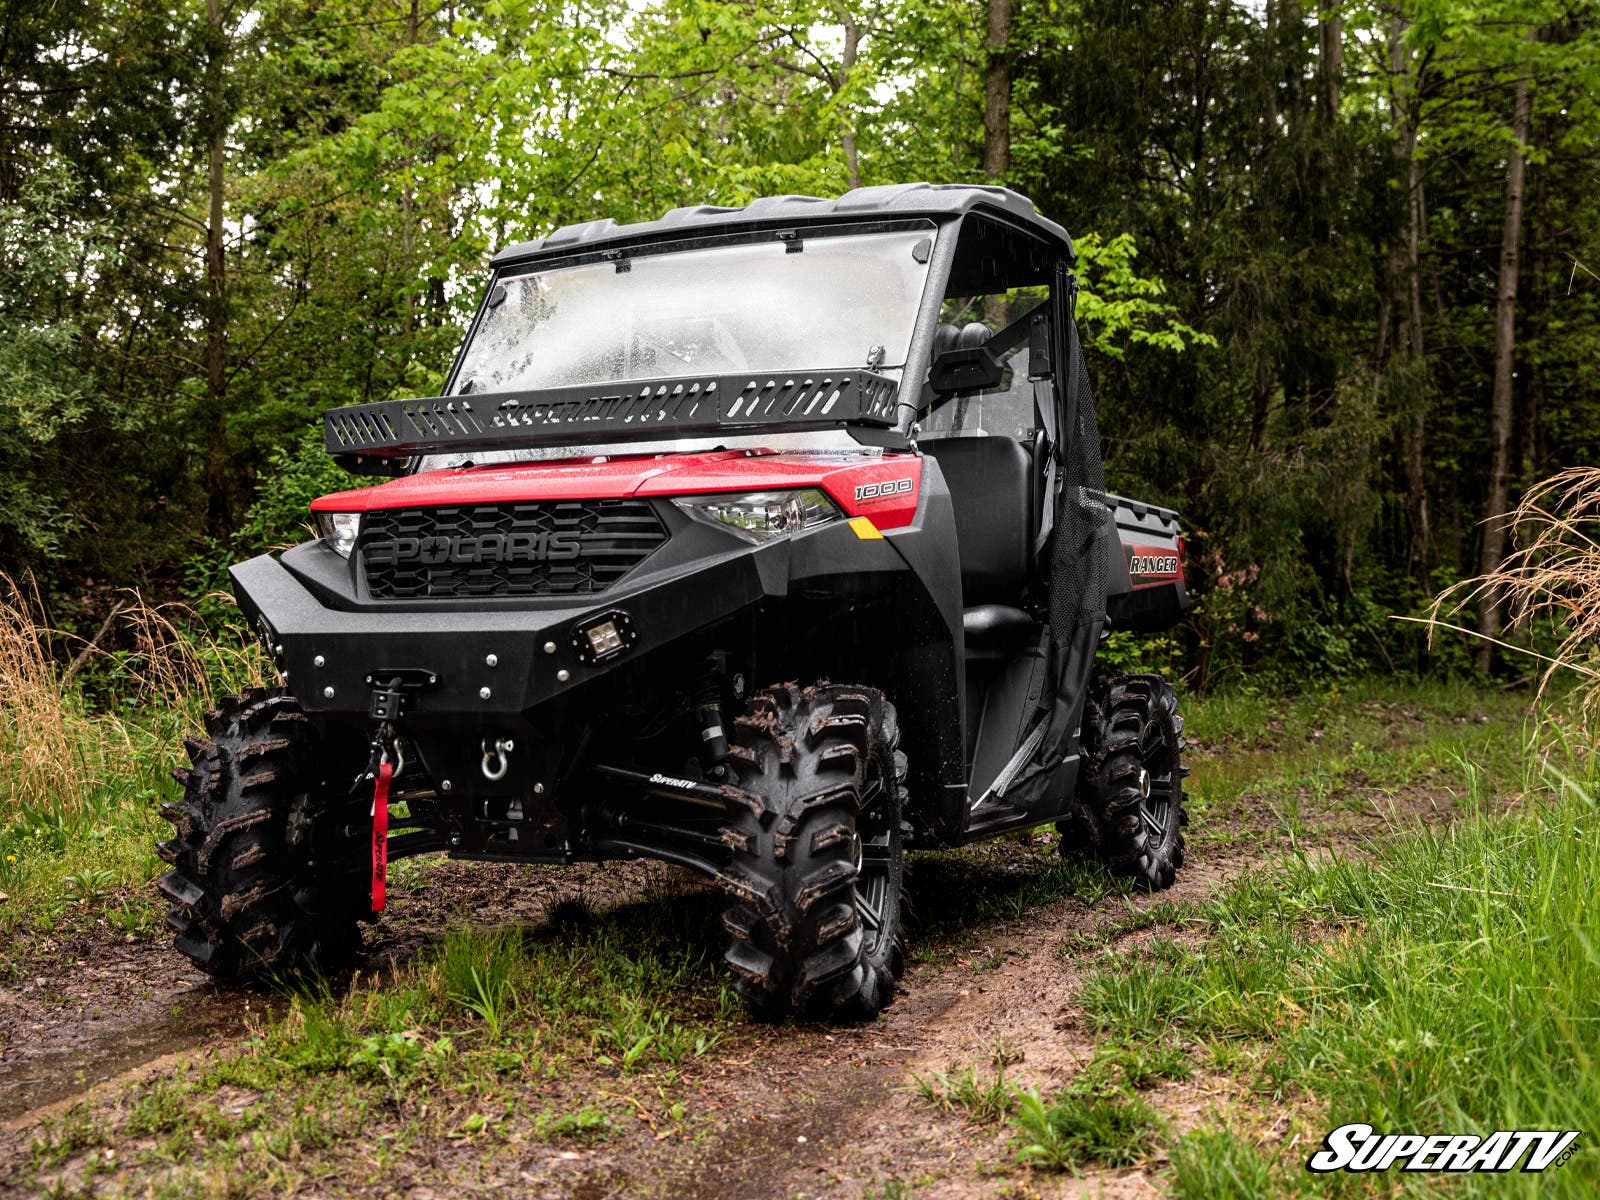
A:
[892,480]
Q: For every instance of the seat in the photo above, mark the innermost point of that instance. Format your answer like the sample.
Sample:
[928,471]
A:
[991,491]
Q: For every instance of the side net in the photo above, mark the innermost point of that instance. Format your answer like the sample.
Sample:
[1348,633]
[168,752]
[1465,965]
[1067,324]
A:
[1083,523]
[1078,578]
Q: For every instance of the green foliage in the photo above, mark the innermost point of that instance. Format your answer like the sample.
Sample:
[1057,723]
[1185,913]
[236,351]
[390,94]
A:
[397,1057]
[1119,308]
[89,886]
[586,1124]
[477,967]
[1218,1164]
[43,390]
[1137,1066]
[487,1003]
[961,1091]
[296,474]
[1246,280]
[1444,980]
[1082,1128]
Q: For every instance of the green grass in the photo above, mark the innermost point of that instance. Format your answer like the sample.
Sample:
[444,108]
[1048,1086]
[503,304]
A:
[1084,1127]
[1347,750]
[1442,980]
[640,989]
[961,1091]
[1447,979]
[81,849]
[1136,1065]
[476,969]
[1218,1164]
[86,758]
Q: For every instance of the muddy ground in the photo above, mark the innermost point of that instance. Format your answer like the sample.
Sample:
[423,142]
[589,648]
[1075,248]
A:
[780,1110]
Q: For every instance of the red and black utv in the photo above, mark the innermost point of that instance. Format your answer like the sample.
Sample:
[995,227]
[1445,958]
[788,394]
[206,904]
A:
[767,541]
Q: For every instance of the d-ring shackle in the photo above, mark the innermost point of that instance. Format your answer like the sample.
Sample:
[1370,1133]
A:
[497,758]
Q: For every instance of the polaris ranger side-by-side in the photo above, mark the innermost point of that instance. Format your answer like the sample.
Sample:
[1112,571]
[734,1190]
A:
[771,542]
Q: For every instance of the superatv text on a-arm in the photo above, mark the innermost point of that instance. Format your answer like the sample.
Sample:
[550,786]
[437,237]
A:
[771,542]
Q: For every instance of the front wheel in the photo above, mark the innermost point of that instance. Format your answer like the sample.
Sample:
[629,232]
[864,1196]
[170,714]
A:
[1128,811]
[268,875]
[817,869]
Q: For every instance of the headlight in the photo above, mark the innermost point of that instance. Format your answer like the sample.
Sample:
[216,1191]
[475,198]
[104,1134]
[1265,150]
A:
[762,516]
[339,530]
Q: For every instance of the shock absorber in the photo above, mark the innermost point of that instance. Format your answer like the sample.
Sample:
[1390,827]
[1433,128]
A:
[708,712]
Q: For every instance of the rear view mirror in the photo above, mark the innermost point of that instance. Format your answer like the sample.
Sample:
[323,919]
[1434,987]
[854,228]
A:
[969,369]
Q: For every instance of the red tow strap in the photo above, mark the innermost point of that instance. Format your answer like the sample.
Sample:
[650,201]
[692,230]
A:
[380,834]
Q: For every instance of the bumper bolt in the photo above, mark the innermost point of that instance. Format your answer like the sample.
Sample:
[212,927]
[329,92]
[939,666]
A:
[563,675]
[319,661]
[549,647]
[444,785]
[538,789]
[491,660]
[484,693]
[327,693]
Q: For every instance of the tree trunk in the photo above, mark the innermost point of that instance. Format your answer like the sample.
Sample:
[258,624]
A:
[1330,62]
[847,62]
[1270,51]
[1260,401]
[218,486]
[1536,316]
[1406,273]
[1330,76]
[1500,413]
[1416,436]
[1287,60]
[997,93]
[408,221]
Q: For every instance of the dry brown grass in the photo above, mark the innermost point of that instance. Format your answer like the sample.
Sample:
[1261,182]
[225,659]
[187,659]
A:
[55,751]
[50,746]
[170,667]
[1550,579]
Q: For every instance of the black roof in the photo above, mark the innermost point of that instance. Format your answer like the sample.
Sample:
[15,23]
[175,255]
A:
[939,200]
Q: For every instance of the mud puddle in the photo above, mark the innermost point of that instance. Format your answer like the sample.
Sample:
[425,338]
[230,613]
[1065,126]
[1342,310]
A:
[79,1006]
[37,1081]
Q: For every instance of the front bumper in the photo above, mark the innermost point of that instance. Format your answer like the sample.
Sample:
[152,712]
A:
[484,661]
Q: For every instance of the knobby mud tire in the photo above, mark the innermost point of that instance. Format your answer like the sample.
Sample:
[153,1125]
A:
[269,868]
[1128,811]
[817,868]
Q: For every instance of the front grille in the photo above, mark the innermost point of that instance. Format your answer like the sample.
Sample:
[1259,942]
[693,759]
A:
[573,547]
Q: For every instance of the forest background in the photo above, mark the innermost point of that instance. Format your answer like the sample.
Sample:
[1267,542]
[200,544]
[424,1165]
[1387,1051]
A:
[1340,258]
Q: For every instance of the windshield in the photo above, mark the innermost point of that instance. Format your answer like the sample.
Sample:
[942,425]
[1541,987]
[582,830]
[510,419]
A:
[841,300]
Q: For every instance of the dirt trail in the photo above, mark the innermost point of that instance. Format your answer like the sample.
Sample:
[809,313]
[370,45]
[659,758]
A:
[845,1117]
[782,1110]
[834,1113]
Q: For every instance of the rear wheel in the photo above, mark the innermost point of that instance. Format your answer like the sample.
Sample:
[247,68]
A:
[269,872]
[817,868]
[1128,811]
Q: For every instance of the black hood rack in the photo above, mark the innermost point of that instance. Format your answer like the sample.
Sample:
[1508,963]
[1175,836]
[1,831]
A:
[368,437]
